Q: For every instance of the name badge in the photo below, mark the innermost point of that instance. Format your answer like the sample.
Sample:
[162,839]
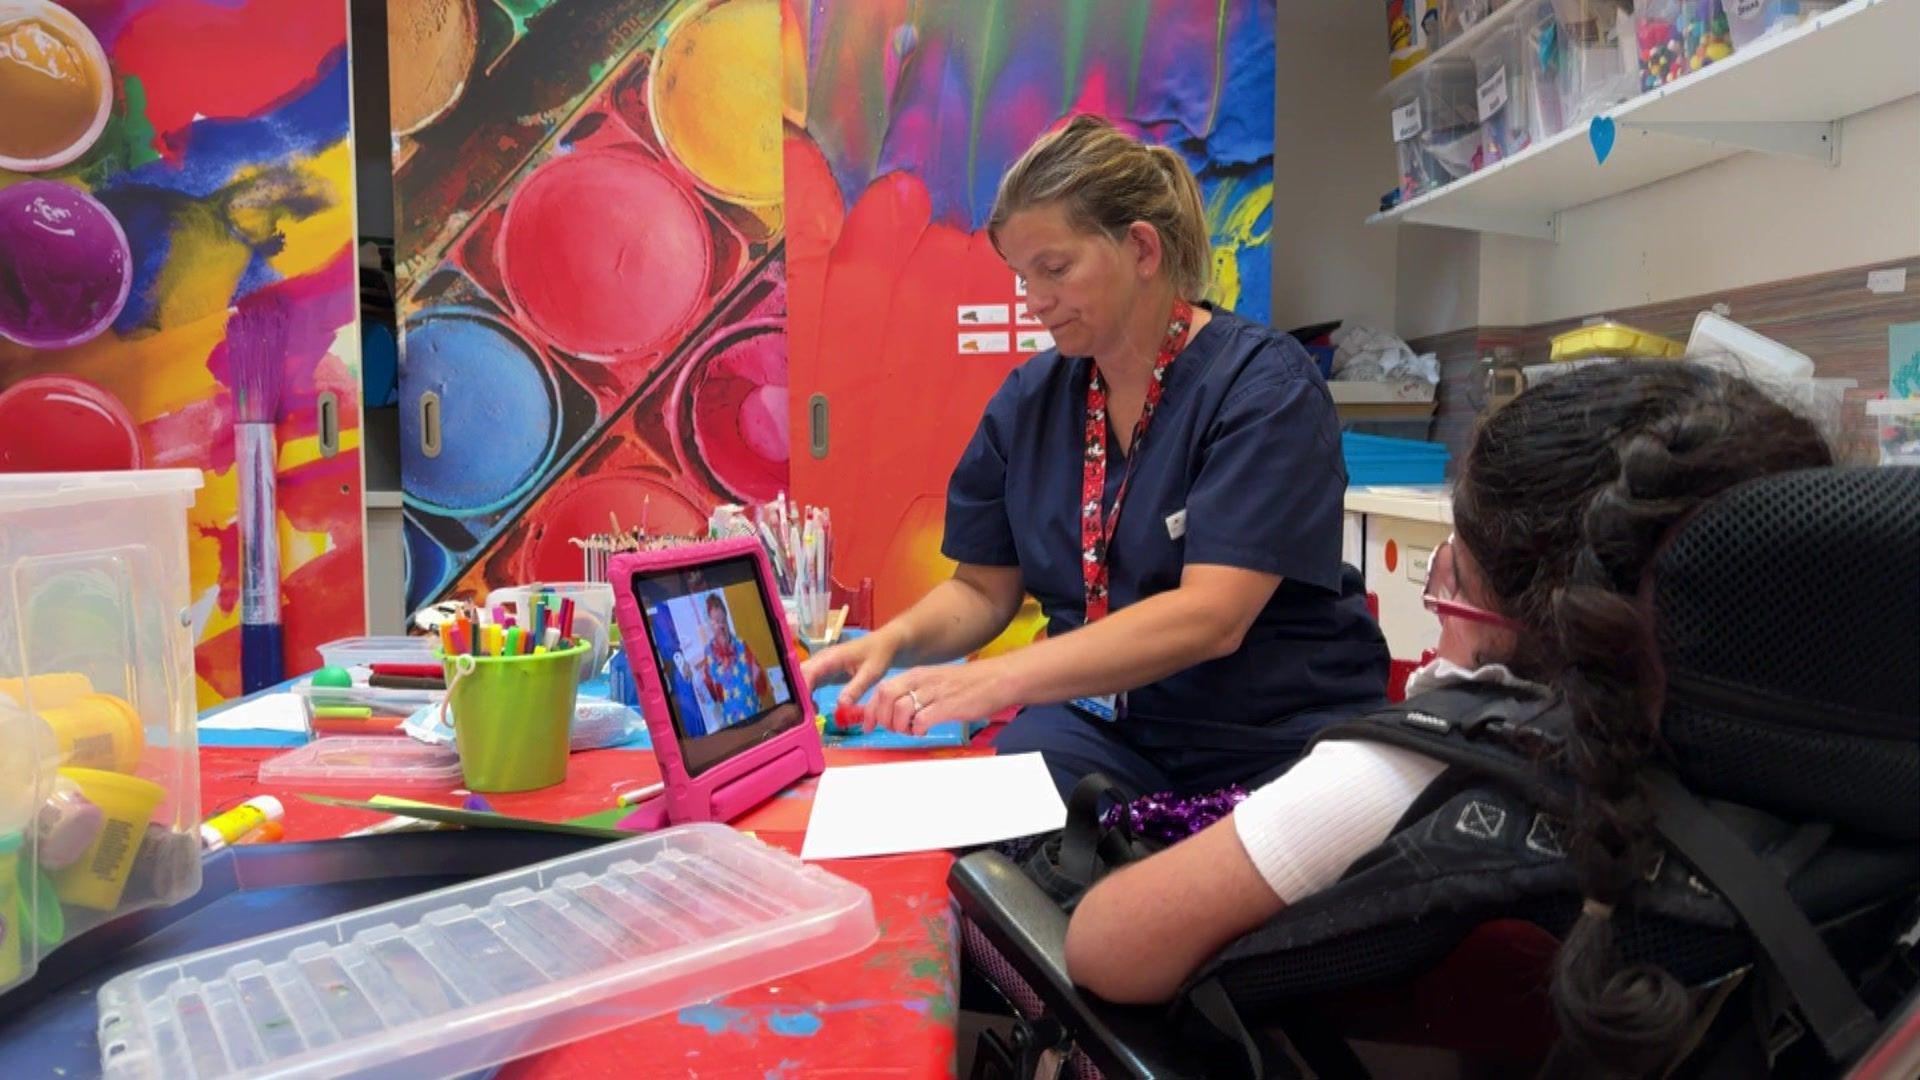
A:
[1104,708]
[1176,525]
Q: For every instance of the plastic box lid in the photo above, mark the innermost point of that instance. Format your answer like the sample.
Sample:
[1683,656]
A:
[364,651]
[66,489]
[347,759]
[470,976]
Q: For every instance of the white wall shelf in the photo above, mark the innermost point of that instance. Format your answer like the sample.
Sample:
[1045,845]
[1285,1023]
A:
[1784,95]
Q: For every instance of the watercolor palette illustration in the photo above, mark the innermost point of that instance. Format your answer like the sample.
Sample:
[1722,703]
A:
[902,118]
[162,162]
[590,222]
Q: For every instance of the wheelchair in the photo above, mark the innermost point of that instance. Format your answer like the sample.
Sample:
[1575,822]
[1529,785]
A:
[1815,555]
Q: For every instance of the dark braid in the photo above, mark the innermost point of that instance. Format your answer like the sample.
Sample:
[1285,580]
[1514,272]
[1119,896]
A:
[1565,497]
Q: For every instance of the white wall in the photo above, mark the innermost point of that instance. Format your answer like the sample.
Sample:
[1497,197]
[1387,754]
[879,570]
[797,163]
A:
[1332,161]
[1747,220]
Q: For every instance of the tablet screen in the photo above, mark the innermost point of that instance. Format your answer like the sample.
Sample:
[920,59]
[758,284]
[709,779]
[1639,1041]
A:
[711,630]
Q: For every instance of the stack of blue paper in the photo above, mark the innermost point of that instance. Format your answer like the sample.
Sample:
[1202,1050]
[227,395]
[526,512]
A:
[1378,459]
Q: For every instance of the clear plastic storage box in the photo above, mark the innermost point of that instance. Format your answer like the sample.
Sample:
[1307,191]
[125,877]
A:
[1677,38]
[1600,65]
[356,652]
[1749,21]
[477,974]
[1503,88]
[345,759]
[1896,427]
[99,774]
[1436,126]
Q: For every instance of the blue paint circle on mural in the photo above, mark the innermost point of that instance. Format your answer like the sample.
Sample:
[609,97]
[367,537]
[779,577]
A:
[428,567]
[499,415]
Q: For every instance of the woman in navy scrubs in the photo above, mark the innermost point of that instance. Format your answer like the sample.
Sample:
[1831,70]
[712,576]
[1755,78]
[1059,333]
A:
[1167,483]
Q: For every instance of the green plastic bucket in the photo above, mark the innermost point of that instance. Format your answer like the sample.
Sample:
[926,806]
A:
[512,716]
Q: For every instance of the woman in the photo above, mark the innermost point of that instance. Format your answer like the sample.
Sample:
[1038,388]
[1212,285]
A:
[733,676]
[1561,504]
[1167,483]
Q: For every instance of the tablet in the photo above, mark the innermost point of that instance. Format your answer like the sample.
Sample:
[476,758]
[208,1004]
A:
[719,683]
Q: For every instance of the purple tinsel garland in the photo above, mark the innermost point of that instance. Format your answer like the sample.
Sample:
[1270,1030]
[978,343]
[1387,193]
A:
[1167,818]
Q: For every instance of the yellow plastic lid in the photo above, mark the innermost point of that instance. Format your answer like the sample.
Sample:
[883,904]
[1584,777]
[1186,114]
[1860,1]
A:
[1615,339]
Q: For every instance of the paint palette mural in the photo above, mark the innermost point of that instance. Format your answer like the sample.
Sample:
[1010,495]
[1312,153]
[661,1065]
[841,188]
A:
[162,161]
[902,117]
[589,207]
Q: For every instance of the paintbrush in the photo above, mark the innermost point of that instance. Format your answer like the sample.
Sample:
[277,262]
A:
[256,350]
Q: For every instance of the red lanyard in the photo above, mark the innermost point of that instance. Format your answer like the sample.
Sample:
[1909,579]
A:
[1096,529]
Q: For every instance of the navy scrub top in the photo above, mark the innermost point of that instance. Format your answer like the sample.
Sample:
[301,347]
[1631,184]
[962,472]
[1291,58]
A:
[1246,444]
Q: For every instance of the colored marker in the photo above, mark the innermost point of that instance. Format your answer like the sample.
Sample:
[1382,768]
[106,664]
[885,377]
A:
[410,671]
[640,795]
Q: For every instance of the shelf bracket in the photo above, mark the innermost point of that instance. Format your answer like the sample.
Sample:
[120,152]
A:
[1530,225]
[1816,140]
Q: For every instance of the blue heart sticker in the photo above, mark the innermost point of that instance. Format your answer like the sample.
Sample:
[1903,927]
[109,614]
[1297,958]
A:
[1600,134]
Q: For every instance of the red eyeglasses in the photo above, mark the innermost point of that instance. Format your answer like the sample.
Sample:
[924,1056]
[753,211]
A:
[1443,586]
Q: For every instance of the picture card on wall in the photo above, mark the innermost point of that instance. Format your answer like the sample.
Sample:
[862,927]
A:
[983,315]
[1035,341]
[982,344]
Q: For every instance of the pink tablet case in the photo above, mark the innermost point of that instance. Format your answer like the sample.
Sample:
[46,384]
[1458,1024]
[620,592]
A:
[733,786]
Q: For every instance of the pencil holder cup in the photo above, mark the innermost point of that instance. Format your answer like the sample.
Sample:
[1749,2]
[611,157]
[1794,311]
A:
[512,716]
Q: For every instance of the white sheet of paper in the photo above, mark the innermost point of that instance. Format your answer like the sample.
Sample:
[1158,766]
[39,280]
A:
[273,712]
[907,806]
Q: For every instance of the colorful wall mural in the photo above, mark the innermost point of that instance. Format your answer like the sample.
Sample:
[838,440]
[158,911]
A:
[593,291]
[902,115]
[161,162]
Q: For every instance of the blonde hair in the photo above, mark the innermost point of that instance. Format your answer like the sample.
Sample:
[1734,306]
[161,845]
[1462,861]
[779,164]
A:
[1106,180]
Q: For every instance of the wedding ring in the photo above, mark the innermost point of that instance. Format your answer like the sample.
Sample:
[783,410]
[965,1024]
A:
[915,698]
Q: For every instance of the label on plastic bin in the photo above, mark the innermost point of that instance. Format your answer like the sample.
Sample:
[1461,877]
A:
[1493,93]
[1747,9]
[1406,121]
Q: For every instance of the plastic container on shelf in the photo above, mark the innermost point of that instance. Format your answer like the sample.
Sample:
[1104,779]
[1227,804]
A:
[1458,16]
[363,761]
[470,976]
[1503,87]
[1714,334]
[99,773]
[1677,38]
[1750,21]
[1607,338]
[1450,100]
[365,651]
[1436,126]
[1896,424]
[1413,31]
[1601,62]
[1547,64]
[1417,174]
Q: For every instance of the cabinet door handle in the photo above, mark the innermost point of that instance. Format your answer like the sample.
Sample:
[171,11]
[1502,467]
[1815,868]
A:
[817,425]
[329,424]
[430,424]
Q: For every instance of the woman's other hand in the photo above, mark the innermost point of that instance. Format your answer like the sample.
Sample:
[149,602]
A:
[916,700]
[859,662]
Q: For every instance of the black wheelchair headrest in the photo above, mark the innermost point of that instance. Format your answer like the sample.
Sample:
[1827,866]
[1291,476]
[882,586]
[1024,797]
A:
[1787,613]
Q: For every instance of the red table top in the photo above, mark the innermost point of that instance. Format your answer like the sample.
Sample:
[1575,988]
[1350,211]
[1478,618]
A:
[889,1011]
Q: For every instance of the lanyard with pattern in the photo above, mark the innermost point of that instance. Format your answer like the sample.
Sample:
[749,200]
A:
[1096,530]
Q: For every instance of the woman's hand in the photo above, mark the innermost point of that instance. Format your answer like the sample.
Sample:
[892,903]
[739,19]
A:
[914,701]
[859,662]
